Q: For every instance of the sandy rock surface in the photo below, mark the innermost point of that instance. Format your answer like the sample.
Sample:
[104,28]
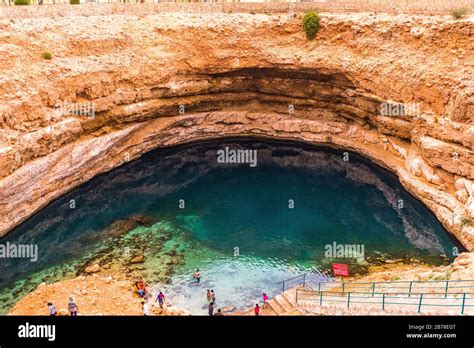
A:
[94,295]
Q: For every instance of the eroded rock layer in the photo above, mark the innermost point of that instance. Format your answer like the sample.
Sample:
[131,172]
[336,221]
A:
[166,79]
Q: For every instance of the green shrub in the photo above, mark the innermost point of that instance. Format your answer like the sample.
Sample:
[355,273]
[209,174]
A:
[74,2]
[466,221]
[458,12]
[47,55]
[311,24]
[22,2]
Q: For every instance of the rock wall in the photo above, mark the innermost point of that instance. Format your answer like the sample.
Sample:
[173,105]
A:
[165,79]
[62,8]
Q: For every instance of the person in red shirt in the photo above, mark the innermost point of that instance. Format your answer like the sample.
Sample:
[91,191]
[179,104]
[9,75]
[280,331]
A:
[257,309]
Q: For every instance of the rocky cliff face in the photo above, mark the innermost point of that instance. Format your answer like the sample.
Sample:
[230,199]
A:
[165,79]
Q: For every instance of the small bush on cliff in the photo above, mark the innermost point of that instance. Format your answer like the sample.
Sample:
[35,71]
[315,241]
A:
[311,24]
[466,221]
[22,2]
[458,12]
[74,2]
[47,55]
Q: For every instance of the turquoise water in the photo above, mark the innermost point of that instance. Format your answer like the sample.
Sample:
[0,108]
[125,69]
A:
[246,228]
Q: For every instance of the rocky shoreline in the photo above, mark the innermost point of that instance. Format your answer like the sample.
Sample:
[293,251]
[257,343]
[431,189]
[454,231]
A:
[105,295]
[94,295]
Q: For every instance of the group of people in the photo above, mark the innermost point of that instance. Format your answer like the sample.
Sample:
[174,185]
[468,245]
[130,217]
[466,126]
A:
[160,298]
[142,291]
[71,306]
[211,298]
[210,294]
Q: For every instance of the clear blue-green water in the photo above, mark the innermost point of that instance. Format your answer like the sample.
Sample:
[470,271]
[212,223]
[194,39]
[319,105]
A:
[138,209]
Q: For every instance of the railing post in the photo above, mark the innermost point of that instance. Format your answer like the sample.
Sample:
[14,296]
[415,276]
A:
[383,301]
[463,302]
[348,299]
[342,288]
[296,295]
[373,289]
[446,290]
[319,286]
[419,305]
[409,290]
[283,286]
[320,298]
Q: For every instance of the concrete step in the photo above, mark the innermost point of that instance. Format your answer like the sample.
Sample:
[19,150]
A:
[294,312]
[285,304]
[268,311]
[288,299]
[276,306]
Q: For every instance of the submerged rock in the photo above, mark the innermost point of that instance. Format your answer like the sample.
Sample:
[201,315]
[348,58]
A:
[121,227]
[92,269]
[137,259]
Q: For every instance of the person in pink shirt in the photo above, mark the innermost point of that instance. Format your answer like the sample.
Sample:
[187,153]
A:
[265,300]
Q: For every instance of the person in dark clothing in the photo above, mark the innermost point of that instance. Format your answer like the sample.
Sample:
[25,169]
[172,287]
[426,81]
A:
[213,296]
[211,309]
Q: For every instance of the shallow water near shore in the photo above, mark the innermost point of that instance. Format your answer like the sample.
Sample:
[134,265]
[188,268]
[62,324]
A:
[247,228]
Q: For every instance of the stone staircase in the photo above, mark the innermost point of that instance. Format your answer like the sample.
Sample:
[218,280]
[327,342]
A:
[281,304]
[363,303]
[390,298]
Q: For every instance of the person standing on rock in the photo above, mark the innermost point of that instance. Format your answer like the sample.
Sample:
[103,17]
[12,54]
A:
[213,296]
[52,309]
[161,299]
[72,307]
[197,275]
[211,309]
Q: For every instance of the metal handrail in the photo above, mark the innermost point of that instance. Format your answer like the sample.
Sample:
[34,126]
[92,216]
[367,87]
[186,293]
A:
[348,297]
[410,281]
[380,293]
[447,285]
[284,282]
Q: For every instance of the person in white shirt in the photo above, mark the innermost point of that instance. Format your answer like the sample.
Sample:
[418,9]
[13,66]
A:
[145,307]
[52,309]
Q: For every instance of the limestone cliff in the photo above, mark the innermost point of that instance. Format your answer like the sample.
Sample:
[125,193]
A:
[164,79]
